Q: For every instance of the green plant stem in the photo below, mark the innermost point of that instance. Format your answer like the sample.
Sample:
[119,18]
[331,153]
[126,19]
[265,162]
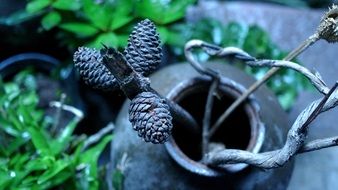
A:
[301,48]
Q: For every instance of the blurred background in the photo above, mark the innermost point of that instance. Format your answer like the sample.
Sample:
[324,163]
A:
[39,37]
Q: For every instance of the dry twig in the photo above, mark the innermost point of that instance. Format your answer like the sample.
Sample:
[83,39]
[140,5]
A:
[293,145]
[58,114]
[98,136]
[207,115]
[315,79]
[133,83]
[78,113]
[327,30]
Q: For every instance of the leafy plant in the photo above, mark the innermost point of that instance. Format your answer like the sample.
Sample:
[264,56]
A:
[30,156]
[91,23]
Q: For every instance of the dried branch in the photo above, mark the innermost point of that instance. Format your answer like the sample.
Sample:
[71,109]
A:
[78,113]
[327,30]
[293,145]
[132,83]
[211,49]
[307,43]
[207,115]
[58,114]
[319,144]
[98,136]
[315,79]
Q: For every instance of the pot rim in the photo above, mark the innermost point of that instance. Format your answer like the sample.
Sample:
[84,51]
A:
[257,128]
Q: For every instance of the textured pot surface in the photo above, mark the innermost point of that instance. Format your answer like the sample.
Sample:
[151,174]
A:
[151,167]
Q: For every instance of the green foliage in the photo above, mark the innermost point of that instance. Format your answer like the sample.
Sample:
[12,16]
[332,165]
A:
[50,20]
[118,179]
[286,84]
[162,12]
[31,157]
[90,22]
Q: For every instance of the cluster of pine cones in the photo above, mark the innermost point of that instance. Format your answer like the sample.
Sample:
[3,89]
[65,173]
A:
[148,113]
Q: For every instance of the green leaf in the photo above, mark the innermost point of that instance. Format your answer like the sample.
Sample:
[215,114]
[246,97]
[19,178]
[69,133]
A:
[30,98]
[108,15]
[98,15]
[60,179]
[37,5]
[38,164]
[64,138]
[164,34]
[80,29]
[11,88]
[118,178]
[29,181]
[119,22]
[5,179]
[50,20]
[72,5]
[56,168]
[40,140]
[109,39]
[6,126]
[15,120]
[162,12]
[16,144]
[122,40]
[235,34]
[19,160]
[90,158]
[287,98]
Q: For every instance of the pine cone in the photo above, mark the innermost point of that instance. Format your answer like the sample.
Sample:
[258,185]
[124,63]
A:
[143,51]
[88,62]
[150,117]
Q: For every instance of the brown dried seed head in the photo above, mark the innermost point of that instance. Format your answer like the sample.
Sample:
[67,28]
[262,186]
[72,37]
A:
[144,51]
[88,62]
[328,27]
[150,117]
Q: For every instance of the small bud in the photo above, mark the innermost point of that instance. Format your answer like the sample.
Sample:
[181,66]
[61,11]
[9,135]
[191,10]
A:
[88,62]
[150,117]
[328,27]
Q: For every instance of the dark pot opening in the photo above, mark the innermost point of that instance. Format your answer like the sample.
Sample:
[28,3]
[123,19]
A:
[242,130]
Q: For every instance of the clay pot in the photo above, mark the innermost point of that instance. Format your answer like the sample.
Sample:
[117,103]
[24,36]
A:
[259,125]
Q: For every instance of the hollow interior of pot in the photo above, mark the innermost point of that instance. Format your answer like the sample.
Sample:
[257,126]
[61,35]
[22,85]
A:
[239,131]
